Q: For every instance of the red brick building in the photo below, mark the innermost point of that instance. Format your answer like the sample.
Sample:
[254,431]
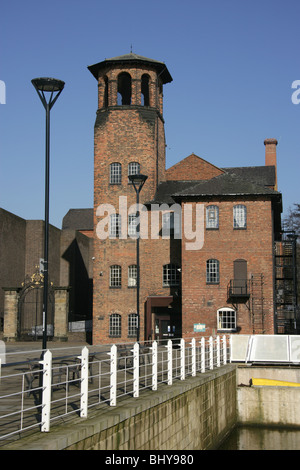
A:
[209,265]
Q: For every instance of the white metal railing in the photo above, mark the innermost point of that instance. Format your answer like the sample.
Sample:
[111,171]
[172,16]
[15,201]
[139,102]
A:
[61,386]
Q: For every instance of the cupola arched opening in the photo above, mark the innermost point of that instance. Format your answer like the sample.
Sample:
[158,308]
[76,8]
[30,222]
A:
[124,89]
[145,96]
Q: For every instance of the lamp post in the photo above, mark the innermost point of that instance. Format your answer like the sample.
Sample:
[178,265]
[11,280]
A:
[138,182]
[54,87]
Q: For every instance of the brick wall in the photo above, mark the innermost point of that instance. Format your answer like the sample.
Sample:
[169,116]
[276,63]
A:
[254,244]
[192,168]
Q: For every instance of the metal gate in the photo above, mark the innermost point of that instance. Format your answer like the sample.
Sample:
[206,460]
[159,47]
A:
[30,308]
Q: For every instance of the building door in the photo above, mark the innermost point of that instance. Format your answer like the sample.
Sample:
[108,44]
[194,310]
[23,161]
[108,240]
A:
[240,277]
[164,327]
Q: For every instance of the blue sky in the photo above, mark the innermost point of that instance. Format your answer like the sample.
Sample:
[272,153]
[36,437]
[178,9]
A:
[233,63]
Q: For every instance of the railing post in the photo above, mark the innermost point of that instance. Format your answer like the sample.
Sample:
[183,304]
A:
[202,342]
[193,344]
[224,350]
[169,361]
[218,352]
[136,369]
[46,393]
[84,381]
[182,359]
[154,365]
[211,353]
[113,375]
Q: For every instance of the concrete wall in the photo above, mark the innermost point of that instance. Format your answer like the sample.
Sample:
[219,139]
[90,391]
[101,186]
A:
[268,406]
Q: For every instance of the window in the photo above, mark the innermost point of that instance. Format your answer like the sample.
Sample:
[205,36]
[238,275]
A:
[212,217]
[145,90]
[114,226]
[212,271]
[115,173]
[132,275]
[115,325]
[226,319]
[133,169]
[239,216]
[171,275]
[171,224]
[115,276]
[132,225]
[124,89]
[132,324]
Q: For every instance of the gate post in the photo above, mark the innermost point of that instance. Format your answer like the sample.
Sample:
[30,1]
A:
[61,303]
[10,328]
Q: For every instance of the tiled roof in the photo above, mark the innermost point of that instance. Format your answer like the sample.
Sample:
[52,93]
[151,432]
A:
[235,181]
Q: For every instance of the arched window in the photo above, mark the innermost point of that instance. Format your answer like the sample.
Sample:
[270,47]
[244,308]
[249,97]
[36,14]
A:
[114,226]
[115,279]
[226,319]
[212,217]
[239,216]
[145,99]
[115,325]
[132,324]
[124,89]
[171,275]
[105,92]
[212,271]
[134,168]
[115,173]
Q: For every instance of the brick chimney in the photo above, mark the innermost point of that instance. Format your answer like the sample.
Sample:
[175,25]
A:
[270,156]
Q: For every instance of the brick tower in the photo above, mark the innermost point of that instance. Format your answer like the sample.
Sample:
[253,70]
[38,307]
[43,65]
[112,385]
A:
[129,138]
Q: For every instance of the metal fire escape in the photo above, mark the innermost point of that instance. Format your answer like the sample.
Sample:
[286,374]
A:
[286,284]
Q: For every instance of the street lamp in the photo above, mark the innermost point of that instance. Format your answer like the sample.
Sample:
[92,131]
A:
[54,87]
[138,182]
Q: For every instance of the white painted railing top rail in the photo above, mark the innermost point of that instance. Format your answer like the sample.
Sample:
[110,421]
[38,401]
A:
[60,384]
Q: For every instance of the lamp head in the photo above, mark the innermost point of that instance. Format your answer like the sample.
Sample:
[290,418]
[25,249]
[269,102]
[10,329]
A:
[48,84]
[137,180]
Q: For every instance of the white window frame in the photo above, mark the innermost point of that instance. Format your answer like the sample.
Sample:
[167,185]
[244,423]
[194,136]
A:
[134,168]
[240,216]
[132,225]
[115,173]
[132,275]
[132,325]
[212,271]
[171,275]
[115,325]
[226,319]
[115,276]
[114,226]
[171,225]
[212,217]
